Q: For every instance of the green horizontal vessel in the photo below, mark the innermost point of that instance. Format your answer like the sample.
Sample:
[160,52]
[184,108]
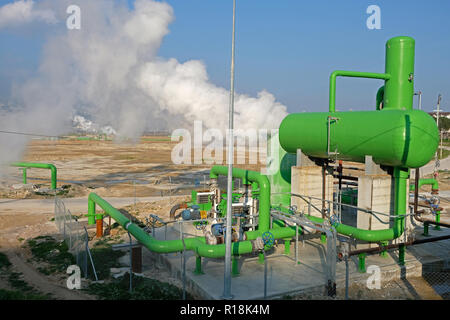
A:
[398,138]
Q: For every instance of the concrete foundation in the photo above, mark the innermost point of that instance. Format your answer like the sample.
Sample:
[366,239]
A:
[286,278]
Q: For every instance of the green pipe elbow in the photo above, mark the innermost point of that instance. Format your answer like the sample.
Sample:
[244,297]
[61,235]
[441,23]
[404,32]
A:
[49,166]
[433,182]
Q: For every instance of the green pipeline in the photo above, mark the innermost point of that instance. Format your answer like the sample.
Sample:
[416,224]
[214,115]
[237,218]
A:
[196,244]
[51,167]
[248,177]
[433,182]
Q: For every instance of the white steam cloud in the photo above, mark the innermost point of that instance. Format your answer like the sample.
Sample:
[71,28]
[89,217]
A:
[110,71]
[22,12]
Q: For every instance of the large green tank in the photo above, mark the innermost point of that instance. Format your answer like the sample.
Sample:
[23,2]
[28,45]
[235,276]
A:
[392,137]
[394,134]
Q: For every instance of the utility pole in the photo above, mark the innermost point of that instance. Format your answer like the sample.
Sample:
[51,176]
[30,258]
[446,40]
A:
[437,123]
[419,93]
[227,273]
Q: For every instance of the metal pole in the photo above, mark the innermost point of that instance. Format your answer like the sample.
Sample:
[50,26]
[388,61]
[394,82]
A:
[346,277]
[227,272]
[265,275]
[296,243]
[131,264]
[437,123]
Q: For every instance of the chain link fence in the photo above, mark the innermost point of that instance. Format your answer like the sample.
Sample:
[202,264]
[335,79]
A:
[73,234]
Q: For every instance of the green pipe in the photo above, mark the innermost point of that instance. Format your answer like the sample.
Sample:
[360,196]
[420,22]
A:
[264,186]
[353,74]
[380,97]
[24,175]
[235,266]
[433,182]
[399,90]
[438,219]
[362,262]
[196,244]
[198,265]
[425,229]
[49,166]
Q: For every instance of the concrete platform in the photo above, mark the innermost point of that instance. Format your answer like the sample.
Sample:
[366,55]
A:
[286,277]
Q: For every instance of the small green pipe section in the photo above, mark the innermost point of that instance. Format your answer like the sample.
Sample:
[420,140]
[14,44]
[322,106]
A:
[49,166]
[24,175]
[380,97]
[422,182]
[353,74]
[362,262]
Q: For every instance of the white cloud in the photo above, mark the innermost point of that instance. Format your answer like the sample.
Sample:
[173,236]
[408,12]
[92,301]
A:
[22,12]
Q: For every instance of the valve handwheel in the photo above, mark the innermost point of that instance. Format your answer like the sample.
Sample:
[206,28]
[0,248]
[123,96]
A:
[268,238]
[200,225]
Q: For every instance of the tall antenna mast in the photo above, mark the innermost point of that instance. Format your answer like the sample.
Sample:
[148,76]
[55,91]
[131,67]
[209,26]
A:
[227,272]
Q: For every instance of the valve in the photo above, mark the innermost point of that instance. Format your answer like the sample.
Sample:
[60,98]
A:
[334,219]
[268,238]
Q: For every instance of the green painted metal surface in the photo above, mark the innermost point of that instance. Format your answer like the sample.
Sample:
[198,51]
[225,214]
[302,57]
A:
[392,137]
[399,89]
[280,176]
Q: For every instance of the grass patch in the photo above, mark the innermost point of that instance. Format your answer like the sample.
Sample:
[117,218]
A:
[4,261]
[143,289]
[55,253]
[18,295]
[104,258]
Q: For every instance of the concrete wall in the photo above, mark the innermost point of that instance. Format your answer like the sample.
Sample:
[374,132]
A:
[307,181]
[377,193]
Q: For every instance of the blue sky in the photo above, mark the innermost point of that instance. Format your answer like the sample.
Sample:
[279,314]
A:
[288,47]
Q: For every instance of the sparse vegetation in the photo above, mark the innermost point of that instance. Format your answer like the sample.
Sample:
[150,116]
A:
[21,290]
[53,253]
[143,289]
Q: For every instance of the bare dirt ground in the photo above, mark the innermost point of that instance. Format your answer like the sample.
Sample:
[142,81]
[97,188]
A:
[125,170]
[135,172]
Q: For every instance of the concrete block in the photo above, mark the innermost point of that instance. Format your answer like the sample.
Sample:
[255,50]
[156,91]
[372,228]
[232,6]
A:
[307,181]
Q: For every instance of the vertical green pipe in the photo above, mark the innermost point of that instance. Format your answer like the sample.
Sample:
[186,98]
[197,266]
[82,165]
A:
[91,211]
[425,229]
[287,247]
[234,266]
[198,265]
[261,257]
[383,253]
[400,175]
[399,89]
[24,174]
[362,262]
[438,219]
